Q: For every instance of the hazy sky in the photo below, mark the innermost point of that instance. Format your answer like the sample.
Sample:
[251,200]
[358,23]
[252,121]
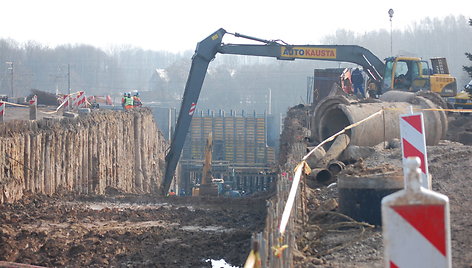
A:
[177,25]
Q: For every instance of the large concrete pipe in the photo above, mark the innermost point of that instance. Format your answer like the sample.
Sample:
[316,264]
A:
[314,160]
[336,149]
[419,99]
[323,105]
[334,113]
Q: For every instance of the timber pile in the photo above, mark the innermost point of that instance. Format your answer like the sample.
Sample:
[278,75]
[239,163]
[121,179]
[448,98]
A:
[84,155]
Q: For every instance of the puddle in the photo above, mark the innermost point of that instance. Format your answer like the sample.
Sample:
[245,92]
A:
[216,229]
[133,206]
[220,264]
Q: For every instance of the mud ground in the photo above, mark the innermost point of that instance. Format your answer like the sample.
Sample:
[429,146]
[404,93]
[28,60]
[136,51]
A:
[119,230]
[128,231]
[332,240]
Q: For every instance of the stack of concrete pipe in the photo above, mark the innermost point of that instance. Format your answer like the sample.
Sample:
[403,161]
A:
[324,164]
[336,112]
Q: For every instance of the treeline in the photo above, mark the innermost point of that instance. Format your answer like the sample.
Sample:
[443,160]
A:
[232,82]
[84,67]
[450,37]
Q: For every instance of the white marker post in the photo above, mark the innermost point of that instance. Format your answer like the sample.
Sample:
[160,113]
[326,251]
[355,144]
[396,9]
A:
[416,228]
[2,111]
[414,144]
[33,103]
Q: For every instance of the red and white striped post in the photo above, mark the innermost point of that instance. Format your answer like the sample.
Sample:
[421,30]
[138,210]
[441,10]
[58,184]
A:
[414,143]
[2,111]
[192,109]
[80,100]
[415,223]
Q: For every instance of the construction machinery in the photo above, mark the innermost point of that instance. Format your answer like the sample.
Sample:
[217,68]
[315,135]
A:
[382,76]
[210,186]
[463,99]
[207,186]
[414,74]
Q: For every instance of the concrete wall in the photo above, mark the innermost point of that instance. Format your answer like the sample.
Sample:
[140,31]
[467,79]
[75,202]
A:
[84,155]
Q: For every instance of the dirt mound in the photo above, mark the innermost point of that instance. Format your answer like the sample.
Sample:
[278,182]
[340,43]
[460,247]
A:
[460,129]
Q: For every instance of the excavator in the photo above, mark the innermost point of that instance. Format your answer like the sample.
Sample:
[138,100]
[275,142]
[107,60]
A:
[398,73]
[208,187]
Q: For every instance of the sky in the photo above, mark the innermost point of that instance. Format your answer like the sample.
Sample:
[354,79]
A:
[177,25]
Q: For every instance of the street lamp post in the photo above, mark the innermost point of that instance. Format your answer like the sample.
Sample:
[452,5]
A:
[11,81]
[390,14]
[68,87]
[68,78]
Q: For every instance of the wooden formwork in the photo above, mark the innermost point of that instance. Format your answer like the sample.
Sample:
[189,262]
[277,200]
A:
[237,139]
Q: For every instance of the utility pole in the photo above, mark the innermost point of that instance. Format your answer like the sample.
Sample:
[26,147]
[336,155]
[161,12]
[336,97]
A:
[390,14]
[68,77]
[11,81]
[68,87]
[270,101]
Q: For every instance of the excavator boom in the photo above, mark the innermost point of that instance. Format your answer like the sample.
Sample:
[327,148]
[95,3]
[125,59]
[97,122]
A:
[208,48]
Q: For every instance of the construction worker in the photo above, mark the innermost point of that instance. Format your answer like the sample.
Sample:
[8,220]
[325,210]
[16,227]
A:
[128,101]
[137,100]
[358,83]
[123,100]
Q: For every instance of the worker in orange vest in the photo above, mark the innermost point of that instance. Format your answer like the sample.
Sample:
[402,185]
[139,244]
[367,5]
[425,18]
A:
[123,100]
[137,100]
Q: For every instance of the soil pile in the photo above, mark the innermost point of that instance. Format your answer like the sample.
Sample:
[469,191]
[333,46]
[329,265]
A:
[460,129]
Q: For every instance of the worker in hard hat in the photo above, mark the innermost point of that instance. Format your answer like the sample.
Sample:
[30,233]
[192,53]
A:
[123,100]
[171,193]
[128,101]
[137,100]
[358,83]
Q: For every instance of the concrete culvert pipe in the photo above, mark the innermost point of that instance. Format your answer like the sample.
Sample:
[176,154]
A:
[322,106]
[323,175]
[427,100]
[333,114]
[314,160]
[336,166]
[336,149]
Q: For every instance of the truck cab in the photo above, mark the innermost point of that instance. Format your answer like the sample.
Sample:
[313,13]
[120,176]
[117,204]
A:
[414,74]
